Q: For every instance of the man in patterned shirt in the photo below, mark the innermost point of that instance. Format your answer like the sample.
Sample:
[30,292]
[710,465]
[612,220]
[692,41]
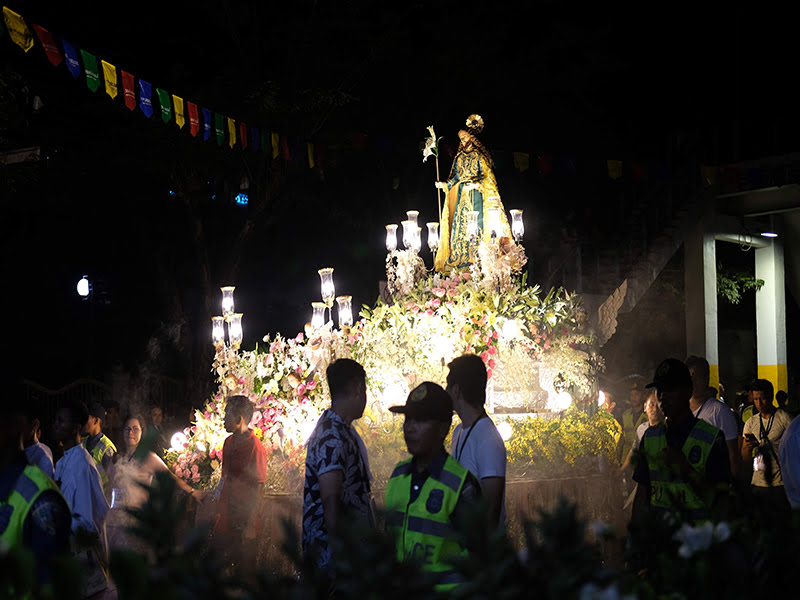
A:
[337,471]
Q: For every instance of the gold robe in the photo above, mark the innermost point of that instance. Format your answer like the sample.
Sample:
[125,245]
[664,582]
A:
[455,250]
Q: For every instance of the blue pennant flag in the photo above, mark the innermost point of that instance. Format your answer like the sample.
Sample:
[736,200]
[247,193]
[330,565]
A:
[73,62]
[145,98]
[256,138]
[206,124]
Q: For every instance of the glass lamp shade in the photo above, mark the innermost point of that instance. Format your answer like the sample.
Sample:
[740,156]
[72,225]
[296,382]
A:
[517,227]
[408,230]
[494,221]
[235,330]
[412,215]
[391,237]
[433,236]
[227,300]
[345,311]
[326,286]
[472,224]
[318,314]
[416,238]
[218,331]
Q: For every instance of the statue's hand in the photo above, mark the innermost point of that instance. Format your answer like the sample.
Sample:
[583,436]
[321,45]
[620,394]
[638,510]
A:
[441,185]
[471,185]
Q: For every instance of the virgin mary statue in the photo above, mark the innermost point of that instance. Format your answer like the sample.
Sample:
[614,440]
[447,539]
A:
[470,187]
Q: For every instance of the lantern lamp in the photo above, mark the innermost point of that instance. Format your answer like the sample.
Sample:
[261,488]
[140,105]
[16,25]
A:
[318,316]
[326,286]
[412,216]
[218,332]
[235,330]
[517,227]
[433,236]
[391,237]
[227,300]
[345,311]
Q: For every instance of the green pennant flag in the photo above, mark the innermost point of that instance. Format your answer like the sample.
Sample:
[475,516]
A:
[264,140]
[90,67]
[163,101]
[218,128]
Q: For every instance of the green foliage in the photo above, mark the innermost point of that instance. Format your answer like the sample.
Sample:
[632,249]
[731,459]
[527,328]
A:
[732,284]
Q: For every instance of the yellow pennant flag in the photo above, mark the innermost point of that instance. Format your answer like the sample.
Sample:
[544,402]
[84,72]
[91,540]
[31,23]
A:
[522,161]
[276,139]
[110,75]
[17,29]
[614,169]
[231,132]
[310,155]
[180,116]
[709,175]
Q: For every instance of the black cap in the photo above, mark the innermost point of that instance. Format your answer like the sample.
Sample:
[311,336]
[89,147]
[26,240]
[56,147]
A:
[671,374]
[427,402]
[97,410]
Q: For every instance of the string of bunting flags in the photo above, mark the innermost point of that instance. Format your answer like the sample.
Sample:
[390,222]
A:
[137,92]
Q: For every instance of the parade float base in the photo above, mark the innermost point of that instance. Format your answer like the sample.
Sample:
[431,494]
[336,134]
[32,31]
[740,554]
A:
[599,496]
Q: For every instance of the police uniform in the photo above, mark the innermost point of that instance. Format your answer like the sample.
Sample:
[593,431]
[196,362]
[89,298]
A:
[420,508]
[98,451]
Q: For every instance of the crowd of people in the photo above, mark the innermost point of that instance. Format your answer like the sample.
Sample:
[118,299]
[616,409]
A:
[685,447]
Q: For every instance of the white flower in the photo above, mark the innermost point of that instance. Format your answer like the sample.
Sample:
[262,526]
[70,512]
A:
[591,591]
[694,539]
[431,148]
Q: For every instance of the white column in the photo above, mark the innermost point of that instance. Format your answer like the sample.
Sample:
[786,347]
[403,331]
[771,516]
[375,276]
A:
[700,278]
[771,316]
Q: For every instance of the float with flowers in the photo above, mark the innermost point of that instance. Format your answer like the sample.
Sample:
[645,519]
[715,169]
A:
[539,349]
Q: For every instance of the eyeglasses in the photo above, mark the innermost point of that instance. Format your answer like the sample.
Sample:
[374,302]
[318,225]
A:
[131,429]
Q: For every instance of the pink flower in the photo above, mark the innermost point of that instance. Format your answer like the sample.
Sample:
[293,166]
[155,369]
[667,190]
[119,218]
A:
[414,309]
[409,305]
[255,419]
[179,472]
[488,373]
[207,415]
[351,339]
[491,363]
[547,345]
[301,389]
[439,292]
[492,350]
[451,292]
[429,312]
[195,477]
[484,319]
[304,400]
[486,339]
[450,303]
[212,407]
[456,279]
[299,337]
[275,346]
[311,384]
[466,276]
[495,335]
[436,303]
[195,469]
[484,356]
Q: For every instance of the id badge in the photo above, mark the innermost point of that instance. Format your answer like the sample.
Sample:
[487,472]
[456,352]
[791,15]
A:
[758,463]
[117,498]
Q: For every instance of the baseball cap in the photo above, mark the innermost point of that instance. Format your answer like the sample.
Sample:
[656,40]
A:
[427,402]
[670,374]
[97,410]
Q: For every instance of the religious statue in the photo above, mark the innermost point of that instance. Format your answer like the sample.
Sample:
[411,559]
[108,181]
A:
[470,187]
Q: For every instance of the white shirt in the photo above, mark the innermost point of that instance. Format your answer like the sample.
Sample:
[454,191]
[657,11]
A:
[41,456]
[480,449]
[789,458]
[718,414]
[80,484]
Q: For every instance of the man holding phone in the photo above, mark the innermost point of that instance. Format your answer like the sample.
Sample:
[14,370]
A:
[762,437]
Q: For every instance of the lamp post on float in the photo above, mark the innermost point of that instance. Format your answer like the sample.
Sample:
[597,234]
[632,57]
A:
[327,288]
[233,321]
[517,226]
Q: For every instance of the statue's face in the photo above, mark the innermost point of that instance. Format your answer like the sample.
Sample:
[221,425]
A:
[465,137]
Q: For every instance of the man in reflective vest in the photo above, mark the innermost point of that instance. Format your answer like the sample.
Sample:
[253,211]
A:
[426,493]
[33,514]
[97,444]
[683,465]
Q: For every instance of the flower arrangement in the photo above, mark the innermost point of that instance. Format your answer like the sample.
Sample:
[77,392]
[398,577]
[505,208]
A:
[404,269]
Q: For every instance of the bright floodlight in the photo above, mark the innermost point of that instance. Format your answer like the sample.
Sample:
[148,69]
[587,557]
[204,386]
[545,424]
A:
[177,441]
[505,430]
[769,234]
[83,287]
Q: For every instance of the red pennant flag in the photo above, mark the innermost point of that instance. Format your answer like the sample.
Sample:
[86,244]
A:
[194,121]
[243,134]
[127,90]
[50,47]
[285,148]
[544,163]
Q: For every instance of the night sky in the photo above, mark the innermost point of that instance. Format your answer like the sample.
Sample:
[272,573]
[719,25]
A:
[703,83]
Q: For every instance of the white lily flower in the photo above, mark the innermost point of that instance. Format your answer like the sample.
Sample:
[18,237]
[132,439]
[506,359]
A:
[431,147]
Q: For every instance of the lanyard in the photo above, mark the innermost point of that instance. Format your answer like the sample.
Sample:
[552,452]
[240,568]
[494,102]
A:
[765,432]
[466,437]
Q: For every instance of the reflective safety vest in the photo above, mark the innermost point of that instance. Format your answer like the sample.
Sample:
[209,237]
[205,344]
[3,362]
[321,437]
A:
[99,450]
[422,529]
[629,427]
[748,412]
[14,509]
[668,490]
